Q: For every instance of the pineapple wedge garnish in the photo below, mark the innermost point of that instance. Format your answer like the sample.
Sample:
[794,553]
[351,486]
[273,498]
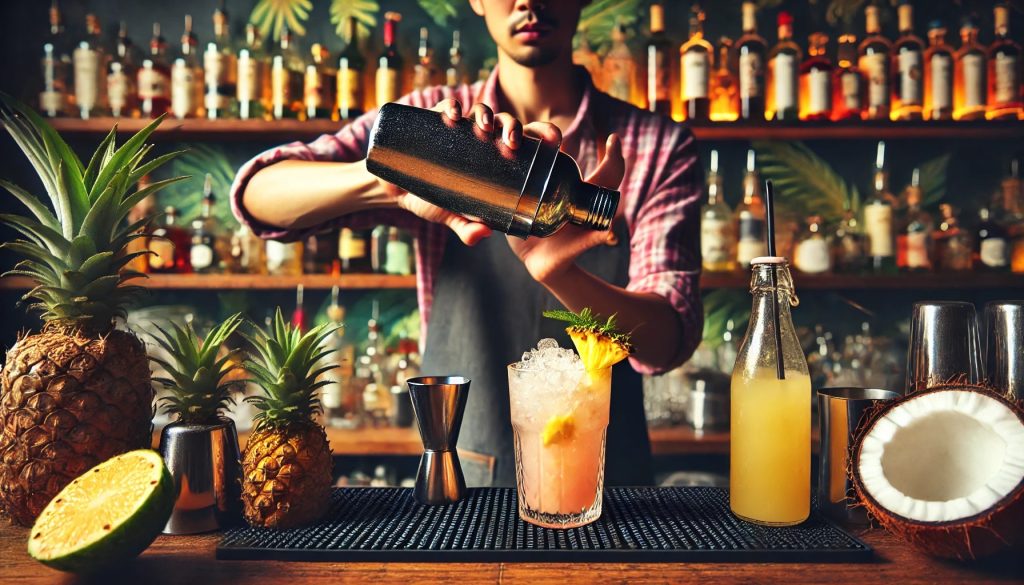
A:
[599,344]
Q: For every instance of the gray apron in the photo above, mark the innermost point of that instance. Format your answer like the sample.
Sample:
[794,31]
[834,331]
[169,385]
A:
[486,313]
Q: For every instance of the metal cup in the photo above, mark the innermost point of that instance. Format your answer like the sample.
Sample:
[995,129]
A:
[439,403]
[1004,323]
[944,345]
[841,414]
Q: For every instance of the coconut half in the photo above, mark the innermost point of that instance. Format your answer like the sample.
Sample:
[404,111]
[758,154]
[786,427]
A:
[944,469]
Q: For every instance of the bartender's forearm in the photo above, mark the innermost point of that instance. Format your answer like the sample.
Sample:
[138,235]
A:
[298,194]
[655,326]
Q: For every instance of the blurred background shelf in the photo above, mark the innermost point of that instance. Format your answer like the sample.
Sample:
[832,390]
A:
[927,281]
[195,129]
[256,282]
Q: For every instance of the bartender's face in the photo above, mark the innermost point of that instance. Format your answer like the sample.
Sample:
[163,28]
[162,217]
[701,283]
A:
[531,32]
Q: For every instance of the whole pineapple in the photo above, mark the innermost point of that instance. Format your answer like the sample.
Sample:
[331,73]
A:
[286,468]
[78,392]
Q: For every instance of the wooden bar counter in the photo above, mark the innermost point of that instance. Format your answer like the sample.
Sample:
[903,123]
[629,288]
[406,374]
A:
[190,560]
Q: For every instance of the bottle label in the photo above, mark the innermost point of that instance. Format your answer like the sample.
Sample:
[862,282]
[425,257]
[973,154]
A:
[349,94]
[312,88]
[974,77]
[941,80]
[878,227]
[201,256]
[350,246]
[910,77]
[714,240]
[163,253]
[1007,82]
[993,252]
[747,250]
[398,260]
[695,75]
[248,78]
[820,91]
[657,75]
[784,78]
[87,70]
[51,102]
[850,84]
[750,75]
[183,89]
[387,85]
[917,250]
[153,84]
[119,88]
[216,68]
[280,80]
[876,67]
[812,256]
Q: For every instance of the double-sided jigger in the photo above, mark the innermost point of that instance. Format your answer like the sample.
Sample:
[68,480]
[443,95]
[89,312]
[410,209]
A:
[439,403]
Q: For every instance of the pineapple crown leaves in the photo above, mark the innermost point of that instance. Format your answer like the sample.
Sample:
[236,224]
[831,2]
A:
[587,320]
[74,248]
[285,364]
[199,392]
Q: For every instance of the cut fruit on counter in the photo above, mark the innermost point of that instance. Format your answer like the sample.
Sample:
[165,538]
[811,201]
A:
[109,514]
[599,344]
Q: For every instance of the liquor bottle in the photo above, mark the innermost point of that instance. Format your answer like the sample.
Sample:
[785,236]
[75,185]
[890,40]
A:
[953,247]
[584,56]
[121,73]
[770,427]
[907,68]
[717,238]
[299,314]
[849,248]
[56,64]
[203,254]
[783,67]
[849,90]
[725,105]
[875,51]
[424,73]
[250,63]
[155,78]
[321,85]
[695,57]
[751,49]
[938,85]
[287,78]
[816,80]
[170,246]
[1013,215]
[750,217]
[186,76]
[89,63]
[284,258]
[878,222]
[659,63]
[455,73]
[139,216]
[351,66]
[619,67]
[991,249]
[389,65]
[811,255]
[249,251]
[914,232]
[969,75]
[390,251]
[1004,71]
[320,254]
[219,70]
[353,252]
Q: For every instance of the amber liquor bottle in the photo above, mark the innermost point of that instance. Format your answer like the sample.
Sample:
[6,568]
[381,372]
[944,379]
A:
[816,80]
[969,75]
[389,65]
[849,89]
[751,49]
[1004,71]
[351,66]
[907,68]
[938,82]
[170,245]
[724,86]
[659,63]
[695,56]
[874,62]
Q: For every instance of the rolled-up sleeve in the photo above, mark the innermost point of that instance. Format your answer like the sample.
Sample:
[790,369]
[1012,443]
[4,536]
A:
[665,241]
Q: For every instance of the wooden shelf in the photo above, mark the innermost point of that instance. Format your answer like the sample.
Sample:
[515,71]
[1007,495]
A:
[255,282]
[686,441]
[288,130]
[931,281]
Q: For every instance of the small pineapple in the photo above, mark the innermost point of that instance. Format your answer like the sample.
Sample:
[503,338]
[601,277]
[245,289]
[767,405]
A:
[198,380]
[78,392]
[286,468]
[600,346]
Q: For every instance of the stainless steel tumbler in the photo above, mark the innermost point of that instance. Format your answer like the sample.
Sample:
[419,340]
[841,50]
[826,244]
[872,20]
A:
[439,403]
[532,191]
[944,345]
[1004,323]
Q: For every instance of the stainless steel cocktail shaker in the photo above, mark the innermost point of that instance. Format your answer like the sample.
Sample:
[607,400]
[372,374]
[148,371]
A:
[531,191]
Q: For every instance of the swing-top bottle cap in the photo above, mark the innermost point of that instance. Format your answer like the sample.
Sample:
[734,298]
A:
[769,260]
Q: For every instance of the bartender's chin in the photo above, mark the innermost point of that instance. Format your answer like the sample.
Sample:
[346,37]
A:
[534,56]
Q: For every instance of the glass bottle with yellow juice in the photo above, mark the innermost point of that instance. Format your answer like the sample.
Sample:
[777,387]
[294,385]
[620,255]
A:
[770,451]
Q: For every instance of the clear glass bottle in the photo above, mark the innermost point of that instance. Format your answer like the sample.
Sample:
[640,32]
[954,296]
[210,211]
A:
[170,245]
[619,67]
[90,59]
[154,78]
[717,235]
[770,426]
[783,74]
[205,253]
[121,72]
[389,65]
[1004,71]
[751,49]
[875,51]
[56,66]
[938,83]
[249,251]
[969,75]
[351,66]
[250,62]
[584,56]
[914,231]
[219,69]
[725,105]
[287,78]
[878,219]
[849,89]
[186,77]
[991,244]
[750,217]
[816,80]
[455,73]
[321,84]
[424,72]
[659,64]
[953,246]
[811,255]
[907,68]
[849,245]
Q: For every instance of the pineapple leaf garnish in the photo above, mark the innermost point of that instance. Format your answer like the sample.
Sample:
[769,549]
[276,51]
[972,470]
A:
[587,320]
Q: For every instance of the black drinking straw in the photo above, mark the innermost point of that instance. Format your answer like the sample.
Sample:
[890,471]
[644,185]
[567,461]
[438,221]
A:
[769,189]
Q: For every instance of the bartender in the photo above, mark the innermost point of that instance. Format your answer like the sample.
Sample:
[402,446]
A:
[481,295]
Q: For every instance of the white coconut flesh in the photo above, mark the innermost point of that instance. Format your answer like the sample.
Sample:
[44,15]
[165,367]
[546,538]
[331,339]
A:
[943,456]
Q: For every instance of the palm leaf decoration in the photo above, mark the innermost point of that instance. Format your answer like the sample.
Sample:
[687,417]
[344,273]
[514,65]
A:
[804,181]
[933,180]
[272,16]
[441,10]
[364,11]
[600,17]
[721,306]
[199,160]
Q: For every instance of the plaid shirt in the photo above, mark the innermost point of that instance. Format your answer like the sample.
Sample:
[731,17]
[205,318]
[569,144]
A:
[660,202]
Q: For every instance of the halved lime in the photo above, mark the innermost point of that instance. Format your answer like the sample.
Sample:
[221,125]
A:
[110,513]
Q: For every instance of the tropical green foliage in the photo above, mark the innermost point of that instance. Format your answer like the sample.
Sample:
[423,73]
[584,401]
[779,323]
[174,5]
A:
[199,392]
[364,11]
[441,11]
[198,160]
[804,181]
[720,307]
[75,252]
[933,180]
[600,17]
[272,16]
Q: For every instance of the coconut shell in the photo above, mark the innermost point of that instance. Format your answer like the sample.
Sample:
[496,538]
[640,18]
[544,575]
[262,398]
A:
[999,528]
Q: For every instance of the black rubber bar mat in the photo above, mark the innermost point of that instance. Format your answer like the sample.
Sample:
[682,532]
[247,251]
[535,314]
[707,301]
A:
[637,525]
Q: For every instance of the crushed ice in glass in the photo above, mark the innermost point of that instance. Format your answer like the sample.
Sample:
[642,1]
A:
[548,356]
